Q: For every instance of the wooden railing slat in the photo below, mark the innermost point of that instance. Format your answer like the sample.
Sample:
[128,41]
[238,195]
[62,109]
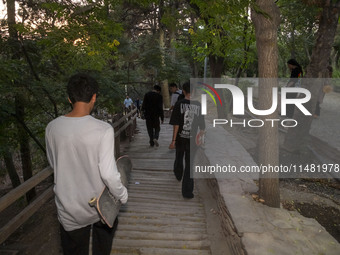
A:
[25,214]
[21,190]
[121,120]
[125,126]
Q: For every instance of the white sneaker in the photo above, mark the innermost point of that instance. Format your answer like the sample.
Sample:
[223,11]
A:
[156,142]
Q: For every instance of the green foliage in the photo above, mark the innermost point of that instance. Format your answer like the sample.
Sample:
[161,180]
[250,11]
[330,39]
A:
[223,29]
[64,39]
[118,43]
[297,32]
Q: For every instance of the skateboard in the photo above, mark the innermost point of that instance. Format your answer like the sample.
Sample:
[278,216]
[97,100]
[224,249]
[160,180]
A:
[106,204]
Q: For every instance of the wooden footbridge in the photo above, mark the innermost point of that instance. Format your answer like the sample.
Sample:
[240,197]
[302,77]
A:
[157,219]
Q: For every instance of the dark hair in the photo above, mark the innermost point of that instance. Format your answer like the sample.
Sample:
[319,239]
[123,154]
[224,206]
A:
[81,87]
[187,88]
[173,85]
[330,69]
[157,88]
[293,62]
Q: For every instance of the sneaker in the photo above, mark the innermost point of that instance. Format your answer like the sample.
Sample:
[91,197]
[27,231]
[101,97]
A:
[156,142]
[189,196]
[178,176]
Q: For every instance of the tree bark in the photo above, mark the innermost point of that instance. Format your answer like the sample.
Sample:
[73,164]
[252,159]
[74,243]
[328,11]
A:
[296,138]
[25,152]
[19,102]
[216,68]
[164,83]
[266,43]
[13,175]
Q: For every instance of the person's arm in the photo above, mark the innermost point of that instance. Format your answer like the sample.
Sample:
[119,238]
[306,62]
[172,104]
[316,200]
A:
[144,103]
[108,168]
[175,121]
[174,137]
[161,111]
[174,98]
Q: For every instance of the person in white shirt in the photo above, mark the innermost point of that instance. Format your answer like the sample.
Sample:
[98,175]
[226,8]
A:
[176,92]
[127,103]
[80,149]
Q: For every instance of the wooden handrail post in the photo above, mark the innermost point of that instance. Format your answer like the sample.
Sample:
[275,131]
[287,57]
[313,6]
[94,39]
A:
[135,122]
[129,128]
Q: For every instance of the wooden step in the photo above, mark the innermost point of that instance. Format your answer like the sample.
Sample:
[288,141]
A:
[157,219]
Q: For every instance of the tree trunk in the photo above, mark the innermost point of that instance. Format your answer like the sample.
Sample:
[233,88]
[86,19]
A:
[296,137]
[293,49]
[13,34]
[164,85]
[25,151]
[19,104]
[13,175]
[266,44]
[216,68]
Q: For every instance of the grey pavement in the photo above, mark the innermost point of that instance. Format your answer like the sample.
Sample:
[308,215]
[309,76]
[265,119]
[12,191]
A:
[263,230]
[327,126]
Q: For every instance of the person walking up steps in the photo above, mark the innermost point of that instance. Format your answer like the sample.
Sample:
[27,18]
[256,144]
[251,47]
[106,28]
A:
[127,104]
[186,118]
[294,81]
[176,92]
[153,111]
[80,149]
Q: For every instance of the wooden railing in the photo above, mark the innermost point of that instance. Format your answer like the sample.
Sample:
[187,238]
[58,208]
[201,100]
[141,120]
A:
[126,122]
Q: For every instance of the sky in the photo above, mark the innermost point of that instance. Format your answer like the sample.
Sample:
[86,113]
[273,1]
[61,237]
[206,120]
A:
[2,9]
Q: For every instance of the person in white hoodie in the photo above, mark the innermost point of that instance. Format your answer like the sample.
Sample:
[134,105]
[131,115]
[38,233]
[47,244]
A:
[80,149]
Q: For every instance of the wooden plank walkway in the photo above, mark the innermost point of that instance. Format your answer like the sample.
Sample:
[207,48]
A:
[157,219]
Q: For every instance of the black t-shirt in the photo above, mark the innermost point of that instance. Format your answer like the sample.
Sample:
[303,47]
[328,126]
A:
[153,106]
[187,114]
[294,75]
[180,97]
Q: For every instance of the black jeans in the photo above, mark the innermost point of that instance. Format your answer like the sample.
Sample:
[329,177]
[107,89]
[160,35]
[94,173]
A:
[183,151]
[153,127]
[290,107]
[77,242]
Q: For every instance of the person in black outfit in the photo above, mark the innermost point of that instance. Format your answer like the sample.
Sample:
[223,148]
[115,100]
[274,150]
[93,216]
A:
[186,118]
[296,72]
[153,111]
[137,103]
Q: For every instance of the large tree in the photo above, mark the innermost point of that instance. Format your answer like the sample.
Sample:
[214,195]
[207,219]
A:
[328,21]
[20,98]
[266,18]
